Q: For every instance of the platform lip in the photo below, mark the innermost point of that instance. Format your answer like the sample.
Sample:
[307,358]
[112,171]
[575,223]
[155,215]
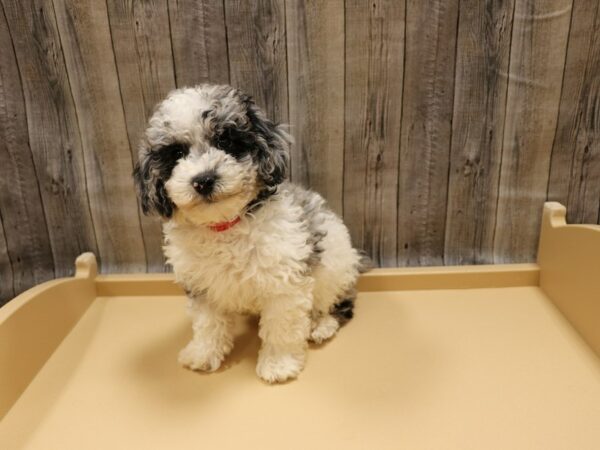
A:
[568,260]
[72,296]
[12,306]
[394,278]
[86,268]
[437,270]
[450,277]
[146,284]
[376,280]
[555,216]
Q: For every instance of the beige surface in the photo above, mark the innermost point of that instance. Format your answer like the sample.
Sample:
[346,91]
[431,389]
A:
[480,368]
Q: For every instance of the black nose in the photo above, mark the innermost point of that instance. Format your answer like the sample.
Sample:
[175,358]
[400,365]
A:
[204,183]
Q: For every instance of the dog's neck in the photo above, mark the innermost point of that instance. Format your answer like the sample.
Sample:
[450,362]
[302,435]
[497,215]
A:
[262,196]
[224,226]
[259,200]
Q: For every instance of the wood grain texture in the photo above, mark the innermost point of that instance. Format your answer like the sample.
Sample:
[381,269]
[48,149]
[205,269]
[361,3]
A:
[426,129]
[199,41]
[21,208]
[257,53]
[7,290]
[315,43]
[373,104]
[539,41]
[482,57]
[141,41]
[436,129]
[575,165]
[90,61]
[53,131]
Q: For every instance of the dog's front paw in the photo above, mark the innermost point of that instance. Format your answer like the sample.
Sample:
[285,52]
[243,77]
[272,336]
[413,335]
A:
[279,368]
[197,356]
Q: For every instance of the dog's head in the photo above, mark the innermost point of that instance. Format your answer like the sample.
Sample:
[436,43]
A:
[207,154]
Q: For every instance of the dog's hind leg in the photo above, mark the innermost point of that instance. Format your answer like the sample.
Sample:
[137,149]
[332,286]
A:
[325,324]
[323,327]
[343,310]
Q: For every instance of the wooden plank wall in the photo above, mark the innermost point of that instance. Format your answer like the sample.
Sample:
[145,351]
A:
[436,129]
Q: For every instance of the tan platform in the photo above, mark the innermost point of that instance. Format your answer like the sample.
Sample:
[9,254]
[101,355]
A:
[488,357]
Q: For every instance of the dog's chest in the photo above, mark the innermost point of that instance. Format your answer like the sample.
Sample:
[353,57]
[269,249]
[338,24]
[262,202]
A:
[239,265]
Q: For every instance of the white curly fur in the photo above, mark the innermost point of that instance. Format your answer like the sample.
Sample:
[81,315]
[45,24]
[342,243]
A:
[289,260]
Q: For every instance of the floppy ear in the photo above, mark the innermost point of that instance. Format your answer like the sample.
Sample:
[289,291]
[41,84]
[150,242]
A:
[273,144]
[150,185]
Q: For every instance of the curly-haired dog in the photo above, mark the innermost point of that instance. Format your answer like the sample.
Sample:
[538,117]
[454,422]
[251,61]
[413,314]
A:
[241,239]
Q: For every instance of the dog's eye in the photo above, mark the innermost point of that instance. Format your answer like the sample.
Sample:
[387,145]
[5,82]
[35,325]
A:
[235,142]
[175,151]
[225,143]
[180,150]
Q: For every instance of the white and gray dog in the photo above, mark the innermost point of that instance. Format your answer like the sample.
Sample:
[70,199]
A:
[239,238]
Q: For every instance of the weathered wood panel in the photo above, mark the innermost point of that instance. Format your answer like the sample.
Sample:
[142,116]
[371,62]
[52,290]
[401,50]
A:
[21,208]
[315,45]
[437,129]
[90,61]
[482,57]
[257,55]
[53,131]
[373,104]
[6,275]
[539,41]
[142,46]
[199,41]
[426,130]
[575,165]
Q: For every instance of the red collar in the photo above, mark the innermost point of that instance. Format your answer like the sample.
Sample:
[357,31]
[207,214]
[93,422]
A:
[223,226]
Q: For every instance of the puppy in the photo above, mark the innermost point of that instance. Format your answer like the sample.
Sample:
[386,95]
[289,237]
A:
[239,237]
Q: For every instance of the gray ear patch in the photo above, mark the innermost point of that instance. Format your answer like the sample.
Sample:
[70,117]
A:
[150,175]
[273,147]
